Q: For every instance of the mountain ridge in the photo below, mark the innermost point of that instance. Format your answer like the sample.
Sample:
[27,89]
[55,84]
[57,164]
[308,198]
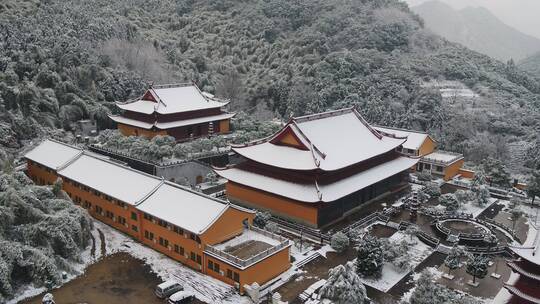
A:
[478,29]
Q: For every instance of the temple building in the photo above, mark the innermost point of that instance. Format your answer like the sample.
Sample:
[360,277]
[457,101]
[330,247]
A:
[318,168]
[443,164]
[525,278]
[180,110]
[209,235]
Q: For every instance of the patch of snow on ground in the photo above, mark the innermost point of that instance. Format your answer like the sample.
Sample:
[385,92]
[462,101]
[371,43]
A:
[325,249]
[390,276]
[476,210]
[205,288]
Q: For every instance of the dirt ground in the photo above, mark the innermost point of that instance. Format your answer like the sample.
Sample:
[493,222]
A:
[463,227]
[489,286]
[314,271]
[247,249]
[116,279]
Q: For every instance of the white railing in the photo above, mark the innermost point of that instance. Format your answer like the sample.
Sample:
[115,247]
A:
[284,242]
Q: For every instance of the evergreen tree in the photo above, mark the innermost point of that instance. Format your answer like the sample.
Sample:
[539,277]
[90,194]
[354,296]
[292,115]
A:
[453,259]
[533,185]
[370,257]
[497,172]
[432,189]
[477,266]
[339,241]
[261,219]
[343,286]
[449,201]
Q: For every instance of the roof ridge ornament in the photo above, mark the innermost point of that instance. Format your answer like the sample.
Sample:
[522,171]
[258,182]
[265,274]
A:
[366,124]
[319,193]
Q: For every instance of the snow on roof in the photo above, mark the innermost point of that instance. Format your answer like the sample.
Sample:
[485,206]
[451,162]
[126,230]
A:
[131,122]
[336,140]
[115,180]
[442,157]
[415,139]
[170,202]
[329,192]
[52,154]
[172,124]
[172,99]
[192,211]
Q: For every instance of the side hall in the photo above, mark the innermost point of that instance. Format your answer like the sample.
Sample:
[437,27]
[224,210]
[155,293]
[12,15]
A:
[185,225]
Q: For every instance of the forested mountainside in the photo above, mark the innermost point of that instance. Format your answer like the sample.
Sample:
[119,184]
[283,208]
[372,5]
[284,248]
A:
[478,29]
[531,64]
[61,61]
[41,234]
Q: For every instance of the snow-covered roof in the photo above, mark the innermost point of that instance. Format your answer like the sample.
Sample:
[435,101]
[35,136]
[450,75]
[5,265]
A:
[530,250]
[443,157]
[170,202]
[115,180]
[192,211]
[415,139]
[172,99]
[172,124]
[52,154]
[312,192]
[331,141]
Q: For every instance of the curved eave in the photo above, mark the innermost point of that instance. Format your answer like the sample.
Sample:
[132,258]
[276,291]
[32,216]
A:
[284,157]
[524,272]
[313,193]
[520,294]
[131,122]
[290,158]
[132,106]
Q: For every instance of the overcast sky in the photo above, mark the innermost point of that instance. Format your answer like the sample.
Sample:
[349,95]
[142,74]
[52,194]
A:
[523,15]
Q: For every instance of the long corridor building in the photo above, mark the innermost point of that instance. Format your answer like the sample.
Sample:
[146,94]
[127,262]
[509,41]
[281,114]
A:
[206,234]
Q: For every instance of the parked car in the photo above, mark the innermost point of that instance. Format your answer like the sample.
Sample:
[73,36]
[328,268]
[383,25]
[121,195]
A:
[181,297]
[168,288]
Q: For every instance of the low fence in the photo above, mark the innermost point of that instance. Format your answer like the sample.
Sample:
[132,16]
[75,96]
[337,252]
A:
[253,259]
[315,235]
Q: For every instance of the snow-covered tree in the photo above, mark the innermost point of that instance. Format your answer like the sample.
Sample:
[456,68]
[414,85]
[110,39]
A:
[370,257]
[463,196]
[478,180]
[427,291]
[432,189]
[398,254]
[339,241]
[343,286]
[477,266]
[482,195]
[261,219]
[497,172]
[57,186]
[533,185]
[211,178]
[449,201]
[39,232]
[515,211]
[453,259]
